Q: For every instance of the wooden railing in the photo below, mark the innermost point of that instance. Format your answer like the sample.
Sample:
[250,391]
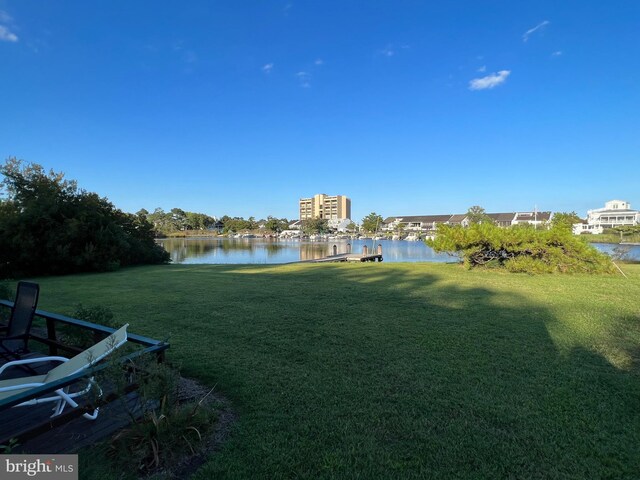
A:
[52,340]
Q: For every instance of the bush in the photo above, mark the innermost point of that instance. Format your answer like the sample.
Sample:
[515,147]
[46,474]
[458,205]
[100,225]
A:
[170,430]
[81,337]
[50,227]
[521,248]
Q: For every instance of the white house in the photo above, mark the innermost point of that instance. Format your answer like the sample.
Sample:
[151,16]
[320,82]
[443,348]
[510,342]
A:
[616,213]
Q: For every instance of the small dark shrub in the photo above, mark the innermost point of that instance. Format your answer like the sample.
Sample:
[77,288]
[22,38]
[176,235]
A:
[168,431]
[82,338]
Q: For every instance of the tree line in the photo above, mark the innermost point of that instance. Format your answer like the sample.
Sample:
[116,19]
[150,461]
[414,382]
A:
[49,226]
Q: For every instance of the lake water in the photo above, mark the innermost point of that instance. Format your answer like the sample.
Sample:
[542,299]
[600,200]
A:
[263,250]
[626,252]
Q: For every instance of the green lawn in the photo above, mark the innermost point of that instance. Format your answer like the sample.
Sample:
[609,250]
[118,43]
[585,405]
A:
[397,370]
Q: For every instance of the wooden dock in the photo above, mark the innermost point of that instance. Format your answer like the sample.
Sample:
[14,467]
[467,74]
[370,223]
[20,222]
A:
[346,257]
[365,256]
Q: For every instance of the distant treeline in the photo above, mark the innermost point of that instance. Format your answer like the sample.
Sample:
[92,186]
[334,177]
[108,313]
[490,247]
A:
[177,220]
[48,226]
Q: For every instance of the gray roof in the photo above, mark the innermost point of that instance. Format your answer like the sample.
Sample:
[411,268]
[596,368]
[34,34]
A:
[458,218]
[532,216]
[502,217]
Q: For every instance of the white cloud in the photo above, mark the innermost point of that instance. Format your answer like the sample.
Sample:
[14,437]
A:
[267,68]
[531,31]
[557,53]
[388,51]
[304,78]
[7,35]
[490,81]
[482,69]
[319,62]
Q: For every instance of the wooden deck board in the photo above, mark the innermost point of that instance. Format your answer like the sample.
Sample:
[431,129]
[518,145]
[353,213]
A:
[71,436]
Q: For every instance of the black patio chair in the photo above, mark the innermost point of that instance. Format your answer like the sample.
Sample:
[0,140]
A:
[14,343]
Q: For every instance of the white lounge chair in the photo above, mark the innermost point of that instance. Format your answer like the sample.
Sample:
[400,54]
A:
[68,367]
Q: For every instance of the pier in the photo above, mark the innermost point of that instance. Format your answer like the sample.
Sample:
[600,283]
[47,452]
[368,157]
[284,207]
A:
[365,256]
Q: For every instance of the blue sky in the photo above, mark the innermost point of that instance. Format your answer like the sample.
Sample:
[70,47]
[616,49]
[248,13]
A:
[407,107]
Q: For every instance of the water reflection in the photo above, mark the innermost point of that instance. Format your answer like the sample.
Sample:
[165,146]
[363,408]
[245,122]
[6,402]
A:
[265,250]
[622,251]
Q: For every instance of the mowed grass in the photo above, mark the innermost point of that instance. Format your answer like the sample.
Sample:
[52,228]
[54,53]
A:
[396,370]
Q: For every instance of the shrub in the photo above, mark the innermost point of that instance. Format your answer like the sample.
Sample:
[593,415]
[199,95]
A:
[81,337]
[521,248]
[50,227]
[169,430]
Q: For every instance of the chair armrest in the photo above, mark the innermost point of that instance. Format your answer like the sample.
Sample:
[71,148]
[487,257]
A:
[26,361]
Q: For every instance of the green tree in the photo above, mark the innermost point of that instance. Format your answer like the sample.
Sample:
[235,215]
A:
[162,221]
[352,227]
[235,224]
[276,225]
[313,226]
[520,248]
[179,219]
[198,221]
[477,214]
[372,222]
[252,224]
[49,226]
[565,220]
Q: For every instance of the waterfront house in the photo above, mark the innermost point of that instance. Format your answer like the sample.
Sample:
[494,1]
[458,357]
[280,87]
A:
[616,213]
[459,219]
[429,223]
[415,223]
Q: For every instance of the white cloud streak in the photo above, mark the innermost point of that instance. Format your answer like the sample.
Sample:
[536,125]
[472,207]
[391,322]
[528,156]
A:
[533,30]
[557,53]
[319,62]
[7,35]
[482,69]
[304,78]
[267,68]
[490,81]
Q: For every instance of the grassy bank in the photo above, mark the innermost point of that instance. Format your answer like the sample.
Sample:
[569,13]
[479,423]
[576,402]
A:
[611,238]
[397,370]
